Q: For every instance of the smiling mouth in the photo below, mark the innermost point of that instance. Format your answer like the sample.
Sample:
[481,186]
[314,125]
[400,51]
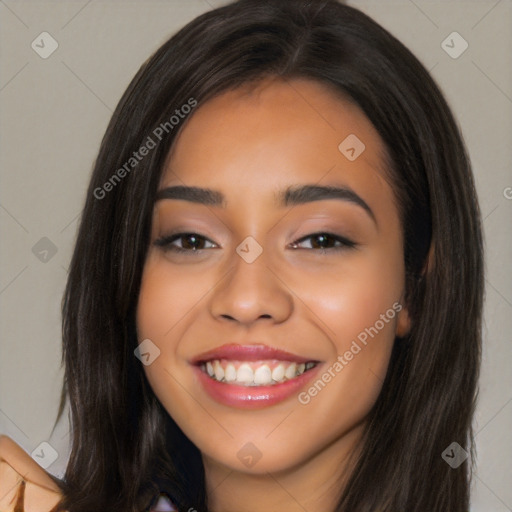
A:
[254,373]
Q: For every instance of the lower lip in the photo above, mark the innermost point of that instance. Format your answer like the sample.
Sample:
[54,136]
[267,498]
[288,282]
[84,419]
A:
[253,397]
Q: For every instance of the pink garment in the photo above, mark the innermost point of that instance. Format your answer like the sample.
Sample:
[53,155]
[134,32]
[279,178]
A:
[164,505]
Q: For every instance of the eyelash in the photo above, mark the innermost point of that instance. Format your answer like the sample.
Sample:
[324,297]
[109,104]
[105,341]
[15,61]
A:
[166,242]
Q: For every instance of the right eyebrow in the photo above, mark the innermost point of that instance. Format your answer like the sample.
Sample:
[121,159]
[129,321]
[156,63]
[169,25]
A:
[206,196]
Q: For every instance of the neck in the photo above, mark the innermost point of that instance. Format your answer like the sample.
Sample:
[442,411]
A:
[314,484]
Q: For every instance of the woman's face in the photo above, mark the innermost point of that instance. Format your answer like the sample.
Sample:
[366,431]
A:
[290,296]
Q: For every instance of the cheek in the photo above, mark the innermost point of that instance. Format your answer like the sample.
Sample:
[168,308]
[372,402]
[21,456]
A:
[357,308]
[167,296]
[354,296]
[166,300]
[157,308]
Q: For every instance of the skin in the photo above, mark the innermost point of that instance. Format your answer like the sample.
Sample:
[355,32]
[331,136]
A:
[41,493]
[250,143]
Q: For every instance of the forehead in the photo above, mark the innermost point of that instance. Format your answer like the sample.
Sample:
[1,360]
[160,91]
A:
[262,136]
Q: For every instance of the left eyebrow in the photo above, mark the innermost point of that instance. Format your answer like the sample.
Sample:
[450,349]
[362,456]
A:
[290,196]
[308,193]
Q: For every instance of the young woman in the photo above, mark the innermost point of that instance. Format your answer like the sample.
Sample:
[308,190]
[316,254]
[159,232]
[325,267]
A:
[276,291]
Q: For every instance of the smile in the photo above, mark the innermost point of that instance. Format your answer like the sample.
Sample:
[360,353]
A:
[252,376]
[258,373]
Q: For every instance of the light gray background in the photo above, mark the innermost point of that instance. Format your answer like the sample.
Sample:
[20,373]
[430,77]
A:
[53,115]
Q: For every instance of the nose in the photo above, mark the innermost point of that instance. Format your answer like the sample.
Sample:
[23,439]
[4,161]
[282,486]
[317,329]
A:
[251,292]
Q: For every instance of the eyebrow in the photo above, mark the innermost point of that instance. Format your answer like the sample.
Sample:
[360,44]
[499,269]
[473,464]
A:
[205,196]
[291,196]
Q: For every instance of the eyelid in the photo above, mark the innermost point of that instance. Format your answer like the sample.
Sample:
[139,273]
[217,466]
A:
[345,242]
[166,240]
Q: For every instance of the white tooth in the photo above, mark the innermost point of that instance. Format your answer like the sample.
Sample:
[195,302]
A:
[230,373]
[209,369]
[278,373]
[245,374]
[309,365]
[301,368]
[263,375]
[291,371]
[219,371]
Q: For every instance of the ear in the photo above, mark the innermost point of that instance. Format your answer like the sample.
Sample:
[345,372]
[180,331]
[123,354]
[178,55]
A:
[403,323]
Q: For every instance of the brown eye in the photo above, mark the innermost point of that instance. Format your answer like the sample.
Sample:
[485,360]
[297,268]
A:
[193,242]
[324,241]
[190,242]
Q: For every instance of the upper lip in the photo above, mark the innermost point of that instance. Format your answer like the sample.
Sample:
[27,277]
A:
[251,352]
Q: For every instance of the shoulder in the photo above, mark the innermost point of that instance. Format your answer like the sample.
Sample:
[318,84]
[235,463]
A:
[23,481]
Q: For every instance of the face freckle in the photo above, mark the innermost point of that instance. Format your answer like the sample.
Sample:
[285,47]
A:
[292,262]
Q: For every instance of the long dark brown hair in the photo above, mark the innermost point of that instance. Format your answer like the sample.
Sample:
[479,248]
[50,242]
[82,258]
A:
[125,446]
